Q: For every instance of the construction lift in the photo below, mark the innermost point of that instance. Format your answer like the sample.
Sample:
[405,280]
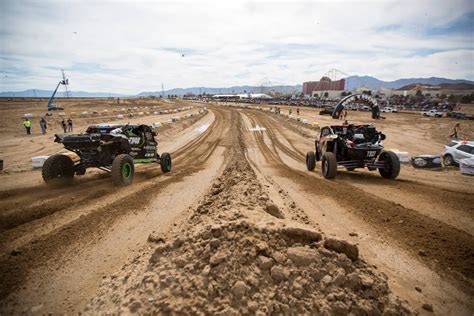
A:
[51,105]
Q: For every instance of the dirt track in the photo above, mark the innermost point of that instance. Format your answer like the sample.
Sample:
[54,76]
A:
[59,245]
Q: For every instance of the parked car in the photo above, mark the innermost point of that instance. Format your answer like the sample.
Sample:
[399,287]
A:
[432,113]
[388,109]
[460,116]
[456,115]
[466,166]
[457,150]
[327,110]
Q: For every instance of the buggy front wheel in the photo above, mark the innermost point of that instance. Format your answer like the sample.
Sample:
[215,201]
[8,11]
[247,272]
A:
[310,161]
[392,165]
[165,162]
[329,165]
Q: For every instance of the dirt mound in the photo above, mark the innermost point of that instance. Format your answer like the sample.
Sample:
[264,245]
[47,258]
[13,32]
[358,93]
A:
[242,267]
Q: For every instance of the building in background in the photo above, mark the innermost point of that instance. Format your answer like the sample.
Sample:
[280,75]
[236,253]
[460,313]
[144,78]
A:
[324,87]
[435,90]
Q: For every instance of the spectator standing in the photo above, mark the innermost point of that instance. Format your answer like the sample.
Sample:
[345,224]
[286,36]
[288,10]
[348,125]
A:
[63,123]
[27,125]
[456,130]
[43,126]
[69,125]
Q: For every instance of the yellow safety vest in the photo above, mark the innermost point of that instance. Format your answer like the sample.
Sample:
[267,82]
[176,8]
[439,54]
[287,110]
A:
[27,123]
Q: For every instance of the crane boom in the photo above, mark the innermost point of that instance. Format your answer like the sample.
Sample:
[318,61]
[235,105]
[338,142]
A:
[51,106]
[65,82]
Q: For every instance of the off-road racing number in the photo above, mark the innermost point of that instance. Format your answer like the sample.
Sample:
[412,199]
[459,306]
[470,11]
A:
[134,140]
[371,154]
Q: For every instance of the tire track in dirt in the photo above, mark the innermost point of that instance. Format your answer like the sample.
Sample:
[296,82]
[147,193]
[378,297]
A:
[445,248]
[458,199]
[15,266]
[454,200]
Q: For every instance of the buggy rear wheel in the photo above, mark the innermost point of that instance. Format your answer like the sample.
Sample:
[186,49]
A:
[58,170]
[310,160]
[392,165]
[165,162]
[329,165]
[123,170]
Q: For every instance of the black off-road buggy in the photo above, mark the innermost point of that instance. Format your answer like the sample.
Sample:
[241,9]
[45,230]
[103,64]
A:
[112,148]
[352,147]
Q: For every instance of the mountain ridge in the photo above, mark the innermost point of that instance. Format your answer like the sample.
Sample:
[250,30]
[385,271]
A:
[352,82]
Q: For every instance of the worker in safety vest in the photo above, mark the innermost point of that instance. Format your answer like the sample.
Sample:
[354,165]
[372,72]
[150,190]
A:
[27,125]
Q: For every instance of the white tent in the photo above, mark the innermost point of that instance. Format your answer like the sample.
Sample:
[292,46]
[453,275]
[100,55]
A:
[254,96]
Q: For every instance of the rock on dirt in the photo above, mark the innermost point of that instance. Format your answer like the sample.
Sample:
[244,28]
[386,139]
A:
[277,273]
[302,256]
[301,234]
[427,307]
[156,238]
[422,253]
[218,258]
[239,289]
[264,263]
[342,246]
[274,210]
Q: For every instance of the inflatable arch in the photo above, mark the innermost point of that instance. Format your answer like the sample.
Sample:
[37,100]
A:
[364,98]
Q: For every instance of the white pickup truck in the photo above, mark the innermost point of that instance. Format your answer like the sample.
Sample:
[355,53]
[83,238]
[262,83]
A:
[389,109]
[433,113]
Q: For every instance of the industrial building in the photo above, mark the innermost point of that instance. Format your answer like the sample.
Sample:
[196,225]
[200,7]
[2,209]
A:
[436,90]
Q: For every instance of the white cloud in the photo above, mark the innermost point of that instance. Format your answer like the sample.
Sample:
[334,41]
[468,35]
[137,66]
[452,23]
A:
[130,47]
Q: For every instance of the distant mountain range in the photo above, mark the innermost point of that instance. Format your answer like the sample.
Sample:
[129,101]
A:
[443,86]
[47,93]
[352,82]
[230,90]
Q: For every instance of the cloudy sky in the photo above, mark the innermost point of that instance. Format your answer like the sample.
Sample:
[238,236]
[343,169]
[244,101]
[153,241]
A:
[129,47]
